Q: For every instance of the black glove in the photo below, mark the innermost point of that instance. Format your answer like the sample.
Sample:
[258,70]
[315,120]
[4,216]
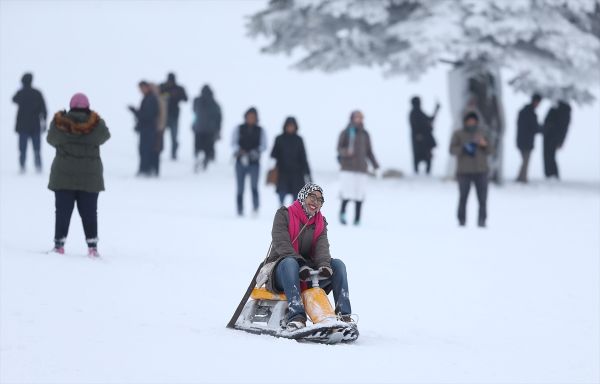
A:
[132,109]
[305,272]
[325,272]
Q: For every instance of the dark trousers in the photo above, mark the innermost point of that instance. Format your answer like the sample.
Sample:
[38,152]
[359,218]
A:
[481,187]
[550,165]
[87,205]
[287,279]
[525,154]
[357,210]
[242,171]
[173,125]
[149,156]
[205,142]
[35,140]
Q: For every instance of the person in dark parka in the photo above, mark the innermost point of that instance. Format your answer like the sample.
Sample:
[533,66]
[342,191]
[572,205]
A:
[292,165]
[176,94]
[147,126]
[77,172]
[527,127]
[206,127]
[422,138]
[31,120]
[471,146]
[249,141]
[555,130]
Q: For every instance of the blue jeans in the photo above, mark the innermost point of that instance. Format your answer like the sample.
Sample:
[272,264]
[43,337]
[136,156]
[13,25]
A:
[287,279]
[35,140]
[242,171]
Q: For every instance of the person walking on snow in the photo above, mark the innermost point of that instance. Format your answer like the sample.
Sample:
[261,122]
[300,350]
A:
[354,149]
[175,94]
[527,127]
[249,141]
[206,127]
[292,165]
[472,147]
[300,243]
[77,173]
[31,120]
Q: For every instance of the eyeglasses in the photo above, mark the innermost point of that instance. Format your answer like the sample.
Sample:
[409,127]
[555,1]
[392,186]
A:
[315,199]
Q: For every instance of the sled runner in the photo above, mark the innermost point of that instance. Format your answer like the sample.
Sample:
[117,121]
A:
[263,312]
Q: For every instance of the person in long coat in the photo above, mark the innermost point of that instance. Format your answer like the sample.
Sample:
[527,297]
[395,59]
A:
[206,127]
[292,163]
[556,126]
[147,126]
[527,128]
[422,139]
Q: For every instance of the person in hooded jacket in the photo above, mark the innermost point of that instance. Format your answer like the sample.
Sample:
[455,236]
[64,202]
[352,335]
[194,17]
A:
[422,139]
[206,127]
[249,141]
[31,120]
[354,149]
[292,165]
[471,146]
[77,172]
[299,245]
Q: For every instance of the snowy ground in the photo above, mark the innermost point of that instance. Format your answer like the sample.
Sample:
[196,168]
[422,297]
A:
[518,302]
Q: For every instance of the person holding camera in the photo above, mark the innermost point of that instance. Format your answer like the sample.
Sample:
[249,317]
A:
[471,146]
[249,141]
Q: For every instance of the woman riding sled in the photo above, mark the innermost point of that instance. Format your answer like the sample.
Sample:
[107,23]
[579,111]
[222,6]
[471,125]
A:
[300,244]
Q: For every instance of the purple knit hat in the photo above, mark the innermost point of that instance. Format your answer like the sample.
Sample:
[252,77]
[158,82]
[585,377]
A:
[79,101]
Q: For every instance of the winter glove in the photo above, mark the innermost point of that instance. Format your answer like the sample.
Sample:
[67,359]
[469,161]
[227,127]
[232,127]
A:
[470,148]
[254,155]
[305,272]
[325,272]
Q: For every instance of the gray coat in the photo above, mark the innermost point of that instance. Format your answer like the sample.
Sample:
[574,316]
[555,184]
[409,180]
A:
[282,247]
[354,157]
[467,164]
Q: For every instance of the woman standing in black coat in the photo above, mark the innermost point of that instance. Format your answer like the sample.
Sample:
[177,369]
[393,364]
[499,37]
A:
[292,164]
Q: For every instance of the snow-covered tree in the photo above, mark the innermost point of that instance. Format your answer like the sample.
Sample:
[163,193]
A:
[552,46]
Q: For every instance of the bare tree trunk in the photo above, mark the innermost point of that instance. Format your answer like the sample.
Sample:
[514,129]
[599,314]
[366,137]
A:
[476,87]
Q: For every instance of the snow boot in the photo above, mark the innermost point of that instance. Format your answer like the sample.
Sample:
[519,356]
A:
[93,252]
[295,325]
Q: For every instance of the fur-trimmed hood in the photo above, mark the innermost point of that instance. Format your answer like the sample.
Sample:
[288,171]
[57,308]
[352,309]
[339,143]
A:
[66,123]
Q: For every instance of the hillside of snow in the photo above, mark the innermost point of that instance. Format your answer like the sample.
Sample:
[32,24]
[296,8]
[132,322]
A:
[518,302]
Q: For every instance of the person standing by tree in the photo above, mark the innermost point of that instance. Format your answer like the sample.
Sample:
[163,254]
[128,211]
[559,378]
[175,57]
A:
[147,126]
[555,130]
[527,127]
[248,141]
[422,138]
[206,127]
[31,120]
[175,94]
[77,172]
[354,149]
[472,147]
[292,165]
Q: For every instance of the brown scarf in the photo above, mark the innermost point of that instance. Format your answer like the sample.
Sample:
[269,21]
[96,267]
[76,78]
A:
[65,124]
